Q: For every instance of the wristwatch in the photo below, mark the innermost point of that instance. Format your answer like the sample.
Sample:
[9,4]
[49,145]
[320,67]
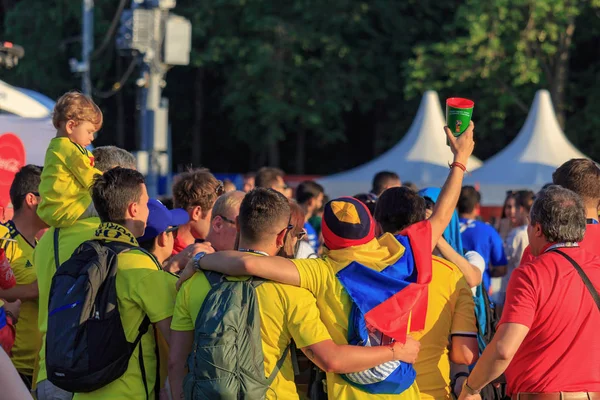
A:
[197,259]
[469,389]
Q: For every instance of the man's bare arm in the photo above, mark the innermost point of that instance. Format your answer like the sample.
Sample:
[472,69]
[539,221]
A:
[343,359]
[464,350]
[20,292]
[180,349]
[498,354]
[462,148]
[236,263]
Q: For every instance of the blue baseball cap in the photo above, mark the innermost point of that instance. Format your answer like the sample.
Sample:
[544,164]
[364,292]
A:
[160,219]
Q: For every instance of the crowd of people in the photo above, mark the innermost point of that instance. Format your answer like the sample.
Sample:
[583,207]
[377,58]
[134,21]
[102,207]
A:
[281,293]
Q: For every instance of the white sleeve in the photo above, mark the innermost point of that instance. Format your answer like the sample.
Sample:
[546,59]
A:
[305,250]
[475,259]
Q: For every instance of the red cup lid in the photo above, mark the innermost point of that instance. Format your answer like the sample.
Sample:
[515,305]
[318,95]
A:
[458,102]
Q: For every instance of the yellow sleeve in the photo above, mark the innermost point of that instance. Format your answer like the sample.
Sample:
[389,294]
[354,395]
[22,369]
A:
[67,176]
[313,274]
[303,318]
[156,295]
[463,318]
[78,161]
[182,318]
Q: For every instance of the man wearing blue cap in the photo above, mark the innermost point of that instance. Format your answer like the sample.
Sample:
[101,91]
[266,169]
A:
[158,237]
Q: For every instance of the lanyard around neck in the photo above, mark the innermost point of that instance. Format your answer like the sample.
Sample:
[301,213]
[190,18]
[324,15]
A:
[262,253]
[561,245]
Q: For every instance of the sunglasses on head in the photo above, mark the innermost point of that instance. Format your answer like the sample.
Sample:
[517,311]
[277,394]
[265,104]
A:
[220,189]
[301,235]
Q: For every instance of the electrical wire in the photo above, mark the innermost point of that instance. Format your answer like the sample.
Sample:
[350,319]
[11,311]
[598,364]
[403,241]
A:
[117,86]
[110,33]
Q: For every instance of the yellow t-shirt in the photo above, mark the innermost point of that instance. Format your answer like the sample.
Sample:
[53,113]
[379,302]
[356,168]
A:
[28,338]
[66,178]
[143,288]
[450,311]
[43,258]
[318,276]
[286,313]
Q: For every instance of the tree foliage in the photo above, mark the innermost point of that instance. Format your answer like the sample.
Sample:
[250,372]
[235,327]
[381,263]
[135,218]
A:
[322,86]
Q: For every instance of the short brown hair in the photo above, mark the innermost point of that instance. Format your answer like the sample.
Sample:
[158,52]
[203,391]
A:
[196,187]
[266,177]
[114,190]
[580,175]
[77,107]
[260,211]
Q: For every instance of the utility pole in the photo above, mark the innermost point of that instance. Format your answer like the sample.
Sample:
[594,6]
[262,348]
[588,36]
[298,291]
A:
[159,39]
[87,46]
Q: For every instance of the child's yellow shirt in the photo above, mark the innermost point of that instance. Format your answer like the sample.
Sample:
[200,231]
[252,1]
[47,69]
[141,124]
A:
[66,179]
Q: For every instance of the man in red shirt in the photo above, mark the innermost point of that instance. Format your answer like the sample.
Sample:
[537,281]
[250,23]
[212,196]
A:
[547,338]
[583,177]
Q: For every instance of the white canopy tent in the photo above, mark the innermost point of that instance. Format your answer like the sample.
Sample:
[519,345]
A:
[530,159]
[421,157]
[34,133]
[23,102]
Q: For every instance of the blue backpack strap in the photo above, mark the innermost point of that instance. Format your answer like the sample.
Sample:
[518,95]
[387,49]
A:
[214,278]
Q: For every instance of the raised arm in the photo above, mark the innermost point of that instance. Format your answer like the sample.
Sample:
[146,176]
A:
[236,263]
[344,359]
[472,273]
[462,148]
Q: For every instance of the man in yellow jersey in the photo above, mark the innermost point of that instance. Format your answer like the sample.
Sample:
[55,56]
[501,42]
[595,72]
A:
[349,237]
[222,236]
[450,306]
[106,157]
[286,313]
[143,288]
[18,240]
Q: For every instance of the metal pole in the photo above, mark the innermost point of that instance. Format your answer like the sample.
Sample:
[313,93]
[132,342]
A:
[154,75]
[87,45]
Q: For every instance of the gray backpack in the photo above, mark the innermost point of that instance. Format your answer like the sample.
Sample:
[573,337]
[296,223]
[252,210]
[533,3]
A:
[227,358]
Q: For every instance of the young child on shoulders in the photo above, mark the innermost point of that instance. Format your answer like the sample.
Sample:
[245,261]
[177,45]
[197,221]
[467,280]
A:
[69,167]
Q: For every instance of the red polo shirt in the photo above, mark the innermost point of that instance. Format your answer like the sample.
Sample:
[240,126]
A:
[561,352]
[591,243]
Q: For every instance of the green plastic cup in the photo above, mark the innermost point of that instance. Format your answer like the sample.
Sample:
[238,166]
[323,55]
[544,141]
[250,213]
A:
[458,114]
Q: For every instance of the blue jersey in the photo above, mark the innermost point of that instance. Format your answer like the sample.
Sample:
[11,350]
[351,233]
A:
[312,237]
[483,238]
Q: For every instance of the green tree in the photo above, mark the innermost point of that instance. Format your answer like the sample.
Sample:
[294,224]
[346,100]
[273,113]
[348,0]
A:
[512,45]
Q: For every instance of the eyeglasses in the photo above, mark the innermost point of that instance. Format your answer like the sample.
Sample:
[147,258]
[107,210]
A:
[36,194]
[171,229]
[225,219]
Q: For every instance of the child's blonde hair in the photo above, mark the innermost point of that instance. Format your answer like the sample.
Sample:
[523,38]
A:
[77,107]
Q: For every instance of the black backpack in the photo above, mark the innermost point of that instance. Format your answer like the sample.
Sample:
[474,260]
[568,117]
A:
[487,317]
[86,347]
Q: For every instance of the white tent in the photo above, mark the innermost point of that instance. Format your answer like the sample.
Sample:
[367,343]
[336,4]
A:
[23,102]
[530,159]
[421,157]
[35,135]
